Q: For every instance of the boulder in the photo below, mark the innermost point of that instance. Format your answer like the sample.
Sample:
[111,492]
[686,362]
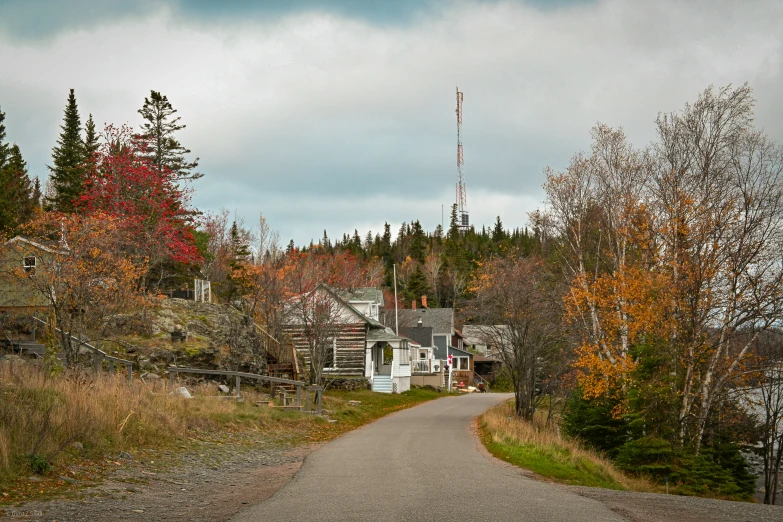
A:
[181,392]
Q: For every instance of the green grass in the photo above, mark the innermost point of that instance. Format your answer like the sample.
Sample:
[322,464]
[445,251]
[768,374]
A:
[546,453]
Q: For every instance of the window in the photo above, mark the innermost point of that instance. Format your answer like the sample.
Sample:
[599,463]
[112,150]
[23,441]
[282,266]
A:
[460,363]
[330,357]
[30,262]
[423,354]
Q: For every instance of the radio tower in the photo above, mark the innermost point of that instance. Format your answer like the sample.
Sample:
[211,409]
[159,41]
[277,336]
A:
[463,221]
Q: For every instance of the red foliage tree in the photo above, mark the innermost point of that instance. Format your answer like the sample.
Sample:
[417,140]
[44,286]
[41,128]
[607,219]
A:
[153,209]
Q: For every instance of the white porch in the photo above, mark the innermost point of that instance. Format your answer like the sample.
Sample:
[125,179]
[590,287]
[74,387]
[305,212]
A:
[388,365]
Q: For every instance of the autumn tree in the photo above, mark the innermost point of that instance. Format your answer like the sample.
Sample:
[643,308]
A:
[67,173]
[151,207]
[80,272]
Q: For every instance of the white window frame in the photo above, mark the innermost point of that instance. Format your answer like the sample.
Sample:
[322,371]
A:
[456,363]
[334,356]
[30,269]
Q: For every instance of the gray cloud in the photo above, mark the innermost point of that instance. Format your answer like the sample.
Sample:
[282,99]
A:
[332,119]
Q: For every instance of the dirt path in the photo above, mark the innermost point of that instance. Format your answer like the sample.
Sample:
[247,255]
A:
[211,481]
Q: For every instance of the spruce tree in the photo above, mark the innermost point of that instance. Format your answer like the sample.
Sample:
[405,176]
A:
[16,192]
[498,234]
[3,144]
[160,129]
[90,138]
[69,156]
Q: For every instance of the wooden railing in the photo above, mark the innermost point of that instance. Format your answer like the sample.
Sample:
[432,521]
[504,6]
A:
[98,355]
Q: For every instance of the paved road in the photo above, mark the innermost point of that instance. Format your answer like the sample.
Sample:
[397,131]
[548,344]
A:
[420,464]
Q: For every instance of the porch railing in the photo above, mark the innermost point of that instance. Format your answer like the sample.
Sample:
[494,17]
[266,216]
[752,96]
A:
[422,366]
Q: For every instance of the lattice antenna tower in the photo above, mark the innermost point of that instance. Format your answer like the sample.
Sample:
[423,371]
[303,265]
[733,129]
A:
[463,220]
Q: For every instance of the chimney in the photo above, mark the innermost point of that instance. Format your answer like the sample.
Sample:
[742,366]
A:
[413,304]
[418,324]
[424,301]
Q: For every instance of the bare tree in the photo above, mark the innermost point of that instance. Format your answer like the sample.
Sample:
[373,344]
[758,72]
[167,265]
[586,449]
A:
[520,317]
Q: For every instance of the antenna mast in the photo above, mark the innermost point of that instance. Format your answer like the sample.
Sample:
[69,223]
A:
[463,221]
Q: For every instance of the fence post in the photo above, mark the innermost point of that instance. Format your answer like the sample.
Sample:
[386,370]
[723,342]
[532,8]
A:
[238,379]
[299,395]
[130,371]
[320,395]
[111,366]
[96,361]
[171,379]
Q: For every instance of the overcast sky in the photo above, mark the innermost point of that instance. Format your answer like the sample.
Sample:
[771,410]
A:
[339,115]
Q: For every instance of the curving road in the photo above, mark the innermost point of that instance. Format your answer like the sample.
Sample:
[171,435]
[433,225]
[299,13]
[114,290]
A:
[420,464]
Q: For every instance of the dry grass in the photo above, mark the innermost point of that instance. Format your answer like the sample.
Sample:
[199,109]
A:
[43,415]
[547,453]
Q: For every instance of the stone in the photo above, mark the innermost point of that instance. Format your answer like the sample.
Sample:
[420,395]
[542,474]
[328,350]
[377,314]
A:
[181,392]
[33,479]
[354,403]
[150,377]
[66,479]
[222,388]
[78,446]
[125,455]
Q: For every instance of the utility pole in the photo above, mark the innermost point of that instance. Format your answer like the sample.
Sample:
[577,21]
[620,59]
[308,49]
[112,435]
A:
[396,319]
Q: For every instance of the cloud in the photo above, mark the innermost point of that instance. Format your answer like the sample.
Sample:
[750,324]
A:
[336,119]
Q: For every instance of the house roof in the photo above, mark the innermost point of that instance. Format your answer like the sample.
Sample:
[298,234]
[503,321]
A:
[364,294]
[334,293]
[477,333]
[421,334]
[382,334]
[45,244]
[441,320]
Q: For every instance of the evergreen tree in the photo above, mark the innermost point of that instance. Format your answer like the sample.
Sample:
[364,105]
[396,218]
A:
[417,285]
[68,171]
[160,128]
[37,194]
[498,234]
[290,248]
[16,192]
[90,138]
[3,144]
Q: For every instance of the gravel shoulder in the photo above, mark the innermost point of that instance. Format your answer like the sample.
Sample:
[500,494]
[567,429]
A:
[653,507]
[210,481]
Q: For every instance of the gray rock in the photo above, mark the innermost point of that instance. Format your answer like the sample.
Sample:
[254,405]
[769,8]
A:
[33,479]
[181,392]
[223,388]
[126,456]
[78,447]
[66,479]
[150,377]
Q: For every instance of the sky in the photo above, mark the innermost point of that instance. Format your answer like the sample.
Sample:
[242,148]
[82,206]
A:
[340,115]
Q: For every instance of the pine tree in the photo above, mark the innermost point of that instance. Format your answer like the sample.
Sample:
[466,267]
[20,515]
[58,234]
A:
[417,285]
[68,172]
[160,128]
[16,192]
[90,138]
[3,144]
[290,248]
[498,234]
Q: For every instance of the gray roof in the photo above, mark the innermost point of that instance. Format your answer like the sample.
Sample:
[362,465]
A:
[420,334]
[382,334]
[441,320]
[369,293]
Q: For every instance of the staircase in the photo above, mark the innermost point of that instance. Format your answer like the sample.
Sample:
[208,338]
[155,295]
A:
[30,347]
[382,384]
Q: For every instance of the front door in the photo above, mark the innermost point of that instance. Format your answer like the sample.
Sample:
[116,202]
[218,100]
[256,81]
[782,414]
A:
[383,356]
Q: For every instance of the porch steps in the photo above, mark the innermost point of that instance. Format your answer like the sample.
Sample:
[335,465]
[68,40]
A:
[382,384]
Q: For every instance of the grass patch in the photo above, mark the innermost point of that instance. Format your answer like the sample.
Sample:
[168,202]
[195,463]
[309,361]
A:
[548,454]
[42,416]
